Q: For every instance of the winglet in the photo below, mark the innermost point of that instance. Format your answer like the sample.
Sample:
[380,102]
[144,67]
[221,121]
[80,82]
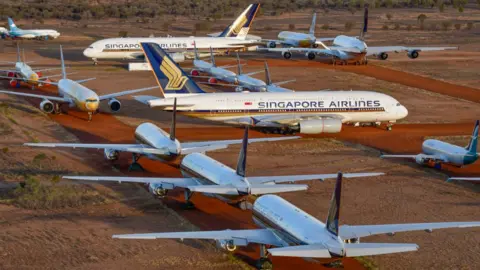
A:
[334,211]
[174,120]
[239,66]
[472,145]
[314,24]
[268,80]
[64,73]
[242,157]
[212,57]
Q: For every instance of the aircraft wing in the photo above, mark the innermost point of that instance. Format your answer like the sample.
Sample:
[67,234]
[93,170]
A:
[349,232]
[128,92]
[60,99]
[46,69]
[382,49]
[145,99]
[192,145]
[294,178]
[423,156]
[168,183]
[323,40]
[464,178]
[132,148]
[238,237]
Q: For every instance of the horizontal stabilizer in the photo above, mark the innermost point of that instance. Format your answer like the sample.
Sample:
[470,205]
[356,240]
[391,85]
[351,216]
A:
[85,80]
[215,189]
[304,251]
[270,189]
[369,249]
[145,99]
[254,72]
[285,82]
[203,149]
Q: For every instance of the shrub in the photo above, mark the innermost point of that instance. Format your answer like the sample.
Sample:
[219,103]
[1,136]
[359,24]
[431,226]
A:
[458,26]
[470,25]
[441,7]
[389,16]
[349,26]
[291,27]
[325,26]
[384,27]
[421,18]
[460,9]
[123,33]
[396,26]
[39,157]
[446,25]
[5,150]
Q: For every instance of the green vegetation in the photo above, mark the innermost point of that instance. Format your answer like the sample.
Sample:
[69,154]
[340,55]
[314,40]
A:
[33,194]
[446,25]
[384,27]
[5,150]
[389,16]
[291,27]
[349,26]
[39,157]
[367,263]
[325,26]
[396,26]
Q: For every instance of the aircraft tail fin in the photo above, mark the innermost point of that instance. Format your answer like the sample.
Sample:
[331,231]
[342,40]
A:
[314,24]
[239,66]
[242,157]
[195,51]
[19,57]
[472,145]
[240,27]
[365,24]
[170,77]
[212,57]
[334,210]
[268,80]
[173,126]
[23,55]
[12,25]
[64,73]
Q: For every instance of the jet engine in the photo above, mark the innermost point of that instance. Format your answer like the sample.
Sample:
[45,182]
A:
[47,106]
[382,56]
[11,74]
[412,54]
[310,55]
[272,44]
[39,74]
[15,83]
[194,72]
[111,154]
[421,159]
[227,245]
[114,105]
[320,126]
[178,57]
[157,190]
[287,55]
[212,80]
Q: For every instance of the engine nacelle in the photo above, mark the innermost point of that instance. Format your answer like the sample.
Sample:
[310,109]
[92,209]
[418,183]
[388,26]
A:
[287,55]
[412,54]
[114,105]
[11,74]
[238,89]
[320,126]
[111,154]
[177,57]
[47,106]
[352,241]
[39,74]
[157,190]
[421,159]
[272,44]
[212,80]
[382,56]
[227,245]
[310,55]
[15,83]
[194,72]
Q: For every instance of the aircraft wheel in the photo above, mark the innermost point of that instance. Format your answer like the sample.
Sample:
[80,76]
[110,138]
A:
[264,264]
[389,128]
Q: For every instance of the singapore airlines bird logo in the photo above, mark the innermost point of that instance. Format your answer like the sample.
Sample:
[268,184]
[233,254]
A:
[175,79]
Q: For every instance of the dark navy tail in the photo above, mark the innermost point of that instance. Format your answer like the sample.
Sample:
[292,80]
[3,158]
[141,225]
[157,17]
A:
[170,77]
[472,145]
[242,157]
[334,211]
[365,23]
[240,27]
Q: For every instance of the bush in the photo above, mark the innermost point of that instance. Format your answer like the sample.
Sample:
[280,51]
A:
[5,150]
[268,28]
[389,16]
[349,26]
[325,26]
[470,25]
[123,33]
[421,18]
[396,26]
[458,26]
[409,27]
[441,7]
[446,25]
[39,157]
[291,27]
[460,9]
[384,27]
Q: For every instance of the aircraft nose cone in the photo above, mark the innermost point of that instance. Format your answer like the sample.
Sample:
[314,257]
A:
[87,52]
[402,112]
[92,106]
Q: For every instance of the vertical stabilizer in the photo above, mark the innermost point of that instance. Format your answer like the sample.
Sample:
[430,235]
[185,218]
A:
[19,57]
[472,145]
[173,126]
[64,73]
[242,157]
[212,57]
[240,27]
[12,25]
[195,51]
[268,80]
[313,25]
[239,66]
[334,211]
[365,24]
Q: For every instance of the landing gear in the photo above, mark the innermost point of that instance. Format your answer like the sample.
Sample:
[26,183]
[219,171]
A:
[135,166]
[244,205]
[95,62]
[188,204]
[56,108]
[437,166]
[282,130]
[264,263]
[90,116]
[389,127]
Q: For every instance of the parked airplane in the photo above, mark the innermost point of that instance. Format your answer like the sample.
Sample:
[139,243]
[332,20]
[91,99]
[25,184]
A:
[17,33]
[309,112]
[275,87]
[206,175]
[156,144]
[347,49]
[441,152]
[24,73]
[76,95]
[231,39]
[295,233]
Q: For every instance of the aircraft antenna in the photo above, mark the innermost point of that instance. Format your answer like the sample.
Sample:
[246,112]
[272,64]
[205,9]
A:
[212,57]
[19,58]
[239,66]
[195,50]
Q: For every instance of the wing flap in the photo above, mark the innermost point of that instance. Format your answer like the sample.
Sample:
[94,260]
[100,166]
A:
[304,251]
[60,99]
[369,249]
[294,178]
[215,189]
[270,189]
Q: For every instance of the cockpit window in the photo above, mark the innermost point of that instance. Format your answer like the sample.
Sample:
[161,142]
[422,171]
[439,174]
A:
[91,100]
[398,104]
[91,47]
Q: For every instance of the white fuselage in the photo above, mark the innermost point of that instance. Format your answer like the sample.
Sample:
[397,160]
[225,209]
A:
[349,42]
[129,48]
[456,155]
[295,39]
[26,72]
[349,106]
[294,226]
[153,136]
[35,33]
[80,96]
[215,72]
[251,83]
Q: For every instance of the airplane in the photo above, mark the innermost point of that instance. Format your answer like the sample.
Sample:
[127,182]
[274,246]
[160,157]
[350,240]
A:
[206,175]
[310,112]
[296,39]
[17,33]
[231,39]
[156,144]
[291,232]
[347,49]
[24,73]
[275,87]
[441,152]
[76,95]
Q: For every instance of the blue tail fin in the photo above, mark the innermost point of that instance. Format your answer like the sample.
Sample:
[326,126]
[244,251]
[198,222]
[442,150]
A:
[170,77]
[472,145]
[314,24]
[334,211]
[12,25]
[240,27]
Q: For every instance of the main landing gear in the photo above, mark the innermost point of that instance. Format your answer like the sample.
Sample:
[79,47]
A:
[282,130]
[244,205]
[188,204]
[95,62]
[135,166]
[264,263]
[90,114]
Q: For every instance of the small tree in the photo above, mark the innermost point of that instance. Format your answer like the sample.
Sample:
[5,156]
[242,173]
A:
[349,26]
[458,26]
[441,7]
[460,9]
[385,27]
[389,16]
[421,18]
[469,25]
[325,27]
[291,27]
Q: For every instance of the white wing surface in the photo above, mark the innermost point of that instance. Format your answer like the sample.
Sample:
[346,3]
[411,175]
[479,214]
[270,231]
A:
[60,99]
[294,178]
[128,92]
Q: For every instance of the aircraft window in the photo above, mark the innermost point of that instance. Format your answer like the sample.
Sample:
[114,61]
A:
[398,104]
[91,47]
